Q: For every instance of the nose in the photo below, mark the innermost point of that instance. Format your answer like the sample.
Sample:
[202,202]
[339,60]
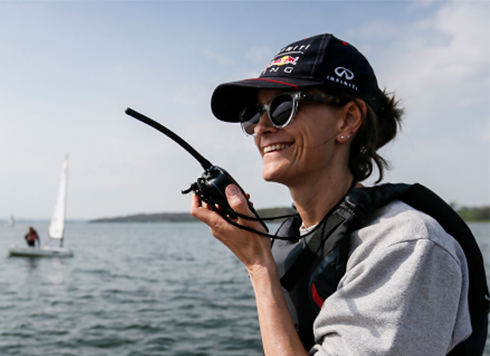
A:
[264,125]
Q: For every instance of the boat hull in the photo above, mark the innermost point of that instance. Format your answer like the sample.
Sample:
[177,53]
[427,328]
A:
[40,252]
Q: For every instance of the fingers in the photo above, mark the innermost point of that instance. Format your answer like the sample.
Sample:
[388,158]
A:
[204,212]
[250,248]
[236,200]
[200,209]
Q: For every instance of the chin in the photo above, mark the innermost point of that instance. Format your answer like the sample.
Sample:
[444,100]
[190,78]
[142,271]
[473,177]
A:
[272,175]
[277,168]
[267,176]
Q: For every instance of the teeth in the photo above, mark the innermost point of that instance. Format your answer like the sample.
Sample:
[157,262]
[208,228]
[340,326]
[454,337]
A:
[275,148]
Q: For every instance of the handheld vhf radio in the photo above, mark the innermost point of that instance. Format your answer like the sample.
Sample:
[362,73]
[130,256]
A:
[210,187]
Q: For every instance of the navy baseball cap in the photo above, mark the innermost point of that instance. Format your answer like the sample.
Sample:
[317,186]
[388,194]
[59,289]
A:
[321,60]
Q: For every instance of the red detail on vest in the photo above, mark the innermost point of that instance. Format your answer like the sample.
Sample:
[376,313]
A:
[316,297]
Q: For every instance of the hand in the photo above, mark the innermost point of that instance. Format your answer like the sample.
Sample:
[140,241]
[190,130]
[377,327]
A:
[250,248]
[279,336]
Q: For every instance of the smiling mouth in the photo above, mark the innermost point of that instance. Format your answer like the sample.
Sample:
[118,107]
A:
[277,147]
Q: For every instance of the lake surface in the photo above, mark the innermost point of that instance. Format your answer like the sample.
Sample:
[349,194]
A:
[133,289]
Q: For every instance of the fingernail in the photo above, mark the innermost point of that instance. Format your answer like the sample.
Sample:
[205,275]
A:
[232,190]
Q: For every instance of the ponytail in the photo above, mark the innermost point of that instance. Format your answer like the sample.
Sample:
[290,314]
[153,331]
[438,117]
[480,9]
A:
[375,132]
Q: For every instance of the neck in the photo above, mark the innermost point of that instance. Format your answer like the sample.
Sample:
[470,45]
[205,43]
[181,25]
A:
[316,198]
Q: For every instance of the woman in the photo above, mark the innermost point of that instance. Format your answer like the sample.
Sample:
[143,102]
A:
[31,237]
[387,281]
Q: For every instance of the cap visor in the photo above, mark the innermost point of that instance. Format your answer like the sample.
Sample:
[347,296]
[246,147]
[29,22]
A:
[229,99]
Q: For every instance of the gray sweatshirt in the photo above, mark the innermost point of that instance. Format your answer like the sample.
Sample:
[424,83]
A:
[404,291]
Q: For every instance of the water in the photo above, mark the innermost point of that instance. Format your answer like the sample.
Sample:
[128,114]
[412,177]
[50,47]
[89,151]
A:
[132,289]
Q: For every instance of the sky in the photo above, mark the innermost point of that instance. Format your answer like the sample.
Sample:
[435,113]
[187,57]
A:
[69,69]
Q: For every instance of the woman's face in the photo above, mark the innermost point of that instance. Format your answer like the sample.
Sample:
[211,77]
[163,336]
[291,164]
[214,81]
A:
[303,150]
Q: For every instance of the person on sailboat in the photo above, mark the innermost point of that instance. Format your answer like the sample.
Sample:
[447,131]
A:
[31,237]
[358,271]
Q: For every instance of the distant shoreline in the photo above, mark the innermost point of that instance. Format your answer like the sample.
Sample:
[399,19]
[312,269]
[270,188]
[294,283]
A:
[476,214]
[183,217]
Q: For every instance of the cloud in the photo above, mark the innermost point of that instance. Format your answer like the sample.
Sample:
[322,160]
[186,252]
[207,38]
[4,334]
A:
[439,67]
[444,52]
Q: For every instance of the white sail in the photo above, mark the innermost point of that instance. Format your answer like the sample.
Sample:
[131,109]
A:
[57,226]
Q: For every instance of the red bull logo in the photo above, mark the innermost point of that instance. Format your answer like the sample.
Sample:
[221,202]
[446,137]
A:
[283,61]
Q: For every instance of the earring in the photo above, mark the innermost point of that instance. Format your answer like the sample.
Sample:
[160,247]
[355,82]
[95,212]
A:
[342,137]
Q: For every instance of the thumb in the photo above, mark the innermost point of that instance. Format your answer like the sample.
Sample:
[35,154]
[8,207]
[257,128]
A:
[236,199]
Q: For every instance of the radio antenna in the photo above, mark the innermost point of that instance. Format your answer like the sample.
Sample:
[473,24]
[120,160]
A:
[203,161]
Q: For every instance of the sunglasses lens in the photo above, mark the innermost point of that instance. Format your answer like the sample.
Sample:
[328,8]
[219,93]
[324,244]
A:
[280,109]
[250,117]
[280,113]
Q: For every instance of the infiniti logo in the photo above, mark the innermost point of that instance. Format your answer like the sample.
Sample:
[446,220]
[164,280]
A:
[344,72]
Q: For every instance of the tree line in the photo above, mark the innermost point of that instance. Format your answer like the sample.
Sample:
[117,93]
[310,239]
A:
[469,214]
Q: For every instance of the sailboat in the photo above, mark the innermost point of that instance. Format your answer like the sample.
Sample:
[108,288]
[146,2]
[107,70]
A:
[11,220]
[56,228]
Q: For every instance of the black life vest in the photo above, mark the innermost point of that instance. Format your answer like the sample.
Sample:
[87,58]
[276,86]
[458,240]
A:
[310,268]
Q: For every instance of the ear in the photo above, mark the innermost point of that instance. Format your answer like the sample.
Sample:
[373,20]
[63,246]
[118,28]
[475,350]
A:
[352,118]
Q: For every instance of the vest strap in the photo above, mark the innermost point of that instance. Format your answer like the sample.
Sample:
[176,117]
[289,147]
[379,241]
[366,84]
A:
[301,265]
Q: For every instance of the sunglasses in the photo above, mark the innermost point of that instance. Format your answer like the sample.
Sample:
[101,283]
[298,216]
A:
[281,110]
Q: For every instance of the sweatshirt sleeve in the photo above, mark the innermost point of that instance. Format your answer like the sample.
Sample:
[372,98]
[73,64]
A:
[404,292]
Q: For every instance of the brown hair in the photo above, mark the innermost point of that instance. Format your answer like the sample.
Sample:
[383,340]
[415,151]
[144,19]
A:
[375,132]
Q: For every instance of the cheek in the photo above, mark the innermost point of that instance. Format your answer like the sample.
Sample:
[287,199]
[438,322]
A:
[316,148]
[315,138]
[322,133]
